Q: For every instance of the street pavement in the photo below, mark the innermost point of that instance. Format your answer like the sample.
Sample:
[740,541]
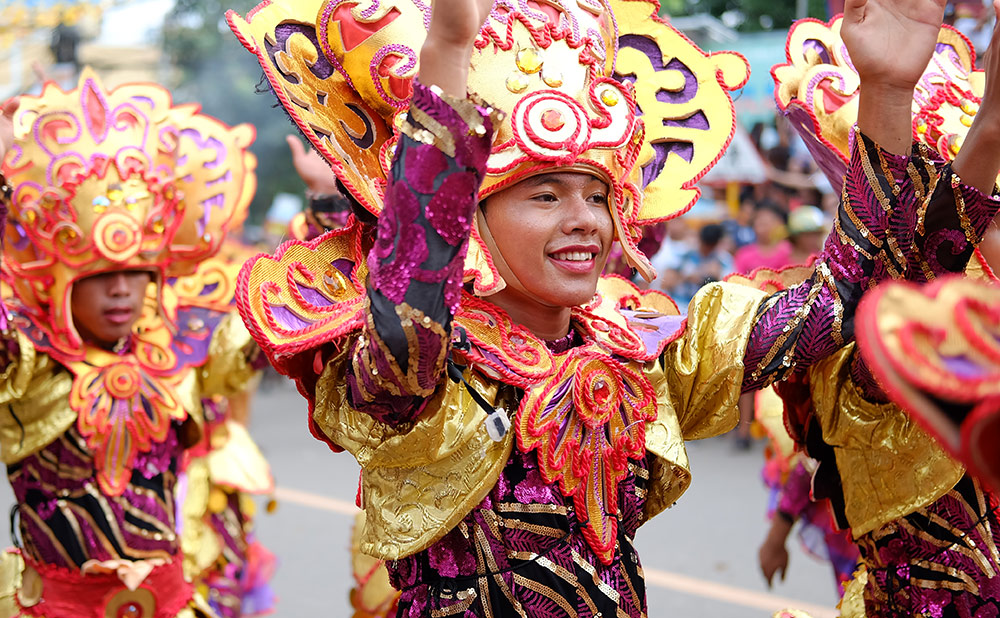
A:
[699,557]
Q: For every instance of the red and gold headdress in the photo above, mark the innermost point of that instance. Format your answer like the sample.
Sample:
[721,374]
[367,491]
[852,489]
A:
[109,180]
[605,87]
[817,90]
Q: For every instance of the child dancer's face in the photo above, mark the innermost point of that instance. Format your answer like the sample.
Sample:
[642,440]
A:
[555,233]
[106,306]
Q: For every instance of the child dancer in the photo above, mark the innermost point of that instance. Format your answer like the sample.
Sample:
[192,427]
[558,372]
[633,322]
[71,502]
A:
[111,192]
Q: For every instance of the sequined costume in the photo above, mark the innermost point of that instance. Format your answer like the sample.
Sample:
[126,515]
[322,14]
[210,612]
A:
[406,363]
[222,473]
[925,529]
[92,438]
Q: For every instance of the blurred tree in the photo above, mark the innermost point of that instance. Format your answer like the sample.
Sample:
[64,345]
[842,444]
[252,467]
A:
[745,15]
[213,69]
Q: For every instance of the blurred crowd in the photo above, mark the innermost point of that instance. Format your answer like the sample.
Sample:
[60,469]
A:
[738,227]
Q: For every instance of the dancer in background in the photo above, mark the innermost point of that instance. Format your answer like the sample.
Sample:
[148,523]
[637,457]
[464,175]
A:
[328,210]
[925,528]
[788,474]
[224,470]
[516,415]
[105,365]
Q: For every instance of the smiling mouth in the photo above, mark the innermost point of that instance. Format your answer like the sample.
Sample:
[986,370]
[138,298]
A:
[574,256]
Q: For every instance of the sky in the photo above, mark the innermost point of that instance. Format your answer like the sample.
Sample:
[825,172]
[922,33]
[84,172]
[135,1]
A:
[133,23]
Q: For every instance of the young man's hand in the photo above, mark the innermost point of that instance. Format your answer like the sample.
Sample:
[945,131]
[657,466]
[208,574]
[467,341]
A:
[447,51]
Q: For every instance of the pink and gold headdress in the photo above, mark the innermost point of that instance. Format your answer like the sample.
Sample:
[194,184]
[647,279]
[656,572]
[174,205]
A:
[110,180]
[817,90]
[587,84]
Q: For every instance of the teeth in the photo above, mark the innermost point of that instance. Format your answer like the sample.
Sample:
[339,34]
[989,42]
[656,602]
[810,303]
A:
[574,256]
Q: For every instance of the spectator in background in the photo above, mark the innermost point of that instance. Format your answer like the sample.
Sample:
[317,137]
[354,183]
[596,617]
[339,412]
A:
[699,266]
[64,44]
[739,230]
[677,242]
[807,229]
[771,250]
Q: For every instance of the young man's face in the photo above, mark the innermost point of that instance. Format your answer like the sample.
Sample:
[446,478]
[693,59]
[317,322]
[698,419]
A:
[555,232]
[106,306]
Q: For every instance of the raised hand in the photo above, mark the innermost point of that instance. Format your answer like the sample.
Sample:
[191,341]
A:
[312,169]
[7,110]
[890,43]
[445,56]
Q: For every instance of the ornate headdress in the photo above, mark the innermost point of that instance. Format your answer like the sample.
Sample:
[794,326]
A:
[115,180]
[817,90]
[592,85]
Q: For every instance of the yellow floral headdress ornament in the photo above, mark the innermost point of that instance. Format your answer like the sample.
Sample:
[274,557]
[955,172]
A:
[605,87]
[110,180]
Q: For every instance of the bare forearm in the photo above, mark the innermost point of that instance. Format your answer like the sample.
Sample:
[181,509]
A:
[446,66]
[978,162]
[884,115]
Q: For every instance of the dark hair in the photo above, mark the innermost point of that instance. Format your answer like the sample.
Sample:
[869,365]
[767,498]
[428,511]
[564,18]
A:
[362,213]
[779,157]
[780,212]
[711,234]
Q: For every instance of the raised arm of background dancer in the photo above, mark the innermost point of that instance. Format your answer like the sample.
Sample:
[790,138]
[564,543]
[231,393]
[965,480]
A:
[890,43]
[416,264]
[962,203]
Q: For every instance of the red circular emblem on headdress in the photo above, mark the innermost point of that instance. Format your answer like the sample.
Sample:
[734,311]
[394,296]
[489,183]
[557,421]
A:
[117,236]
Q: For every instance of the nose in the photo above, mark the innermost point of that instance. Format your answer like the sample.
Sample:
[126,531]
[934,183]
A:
[583,216]
[118,284]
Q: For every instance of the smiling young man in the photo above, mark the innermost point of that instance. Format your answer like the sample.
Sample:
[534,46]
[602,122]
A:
[556,232]
[516,415]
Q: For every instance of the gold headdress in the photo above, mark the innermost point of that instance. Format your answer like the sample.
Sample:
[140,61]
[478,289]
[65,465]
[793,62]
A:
[606,87]
[817,89]
[115,180]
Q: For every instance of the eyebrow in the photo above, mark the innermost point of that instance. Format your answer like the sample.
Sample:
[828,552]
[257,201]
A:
[554,179]
[542,179]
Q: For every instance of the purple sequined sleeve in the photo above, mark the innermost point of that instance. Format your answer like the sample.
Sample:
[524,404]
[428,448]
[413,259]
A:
[416,264]
[952,218]
[871,241]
